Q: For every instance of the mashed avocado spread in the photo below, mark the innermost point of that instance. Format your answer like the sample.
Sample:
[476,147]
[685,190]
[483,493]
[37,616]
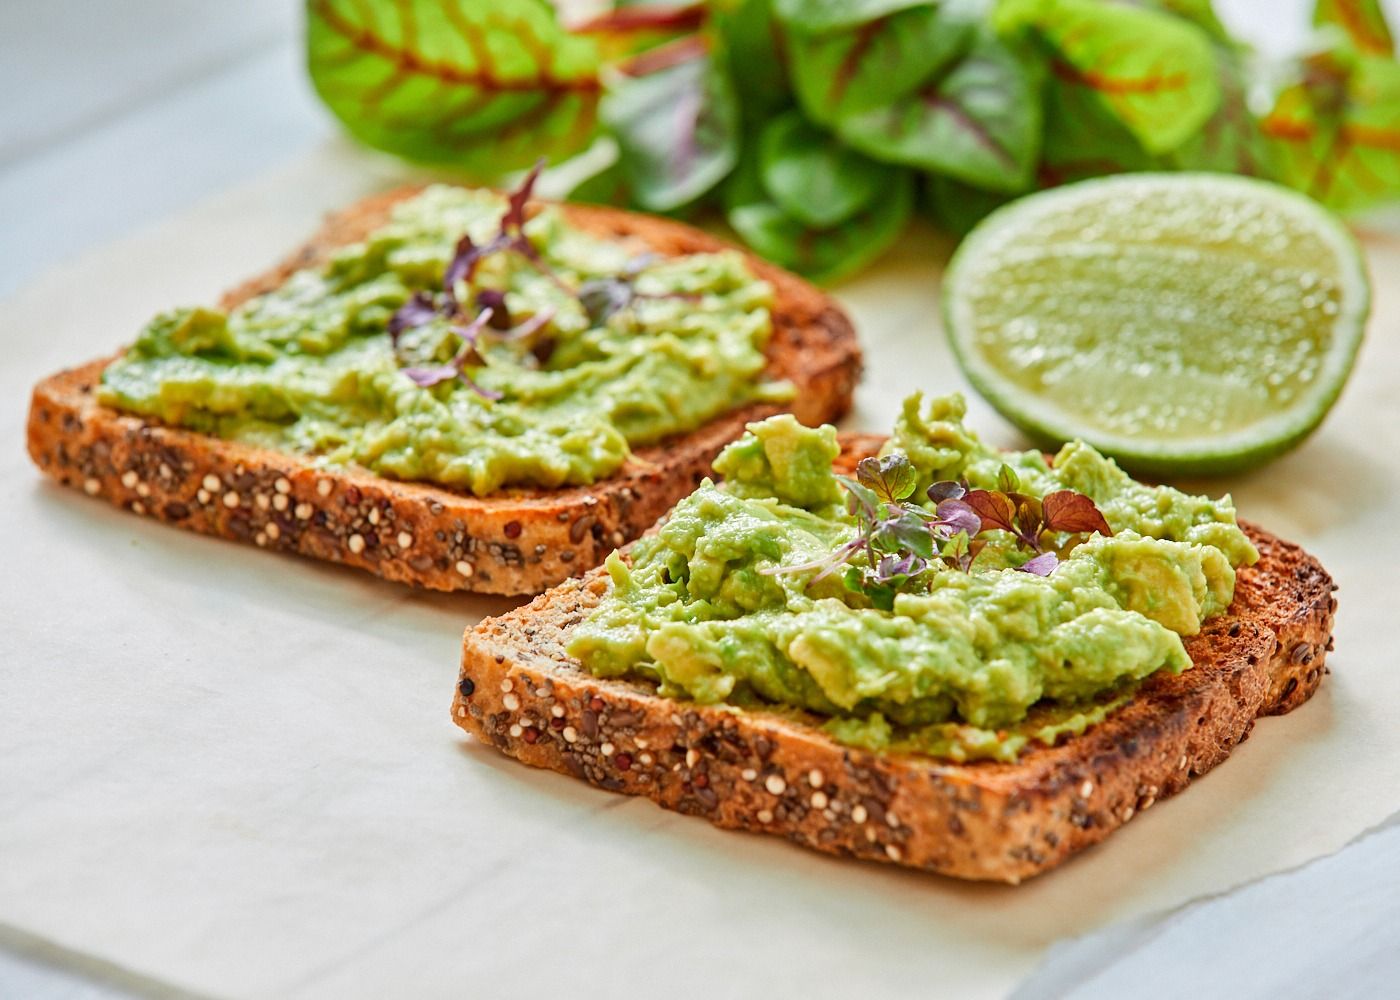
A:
[310,366]
[724,604]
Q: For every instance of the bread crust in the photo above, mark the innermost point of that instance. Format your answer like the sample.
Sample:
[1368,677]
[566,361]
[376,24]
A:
[520,692]
[517,541]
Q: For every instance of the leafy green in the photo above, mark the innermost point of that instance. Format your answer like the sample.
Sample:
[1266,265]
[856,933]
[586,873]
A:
[1362,20]
[1154,72]
[484,88]
[810,123]
[978,121]
[812,176]
[677,130]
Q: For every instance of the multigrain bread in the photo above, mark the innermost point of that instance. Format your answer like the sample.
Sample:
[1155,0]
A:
[520,692]
[518,541]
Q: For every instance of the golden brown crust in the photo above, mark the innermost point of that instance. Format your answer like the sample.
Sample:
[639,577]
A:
[521,692]
[514,542]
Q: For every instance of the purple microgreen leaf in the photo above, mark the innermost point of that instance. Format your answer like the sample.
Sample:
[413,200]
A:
[1068,511]
[1042,565]
[994,509]
[906,532]
[1030,520]
[1007,480]
[954,515]
[947,490]
[514,220]
[531,326]
[419,309]
[603,298]
[891,478]
[495,300]
[426,378]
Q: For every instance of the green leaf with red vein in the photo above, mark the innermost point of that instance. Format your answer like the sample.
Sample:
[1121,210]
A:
[842,73]
[979,120]
[827,15]
[486,88]
[676,127]
[1362,20]
[1336,130]
[1231,141]
[1154,71]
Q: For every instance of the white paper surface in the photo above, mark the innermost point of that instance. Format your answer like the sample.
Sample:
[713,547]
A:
[235,772]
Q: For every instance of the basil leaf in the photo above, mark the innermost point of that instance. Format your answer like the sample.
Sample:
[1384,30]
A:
[812,176]
[978,121]
[824,15]
[676,130]
[1362,20]
[1155,72]
[865,68]
[485,88]
[825,255]
[1336,131]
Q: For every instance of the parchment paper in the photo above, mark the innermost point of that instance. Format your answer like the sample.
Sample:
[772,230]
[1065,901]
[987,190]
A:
[236,773]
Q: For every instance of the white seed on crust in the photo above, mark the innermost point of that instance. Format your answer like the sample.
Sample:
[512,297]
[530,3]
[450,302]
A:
[892,820]
[858,814]
[557,711]
[129,478]
[892,852]
[461,711]
[202,495]
[356,543]
[607,749]
[1127,813]
[1086,789]
[570,734]
[765,815]
[324,487]
[749,774]
[465,568]
[261,501]
[231,499]
[1181,764]
[91,487]
[212,483]
[283,485]
[527,721]
[815,778]
[645,759]
[280,501]
[142,490]
[515,730]
[511,702]
[506,684]
[405,540]
[819,800]
[692,757]
[304,511]
[260,538]
[374,515]
[775,784]
[137,507]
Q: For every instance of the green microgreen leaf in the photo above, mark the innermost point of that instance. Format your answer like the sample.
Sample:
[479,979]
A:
[825,15]
[892,477]
[486,88]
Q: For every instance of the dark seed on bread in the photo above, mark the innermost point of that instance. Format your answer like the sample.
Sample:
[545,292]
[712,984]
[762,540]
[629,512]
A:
[515,542]
[986,820]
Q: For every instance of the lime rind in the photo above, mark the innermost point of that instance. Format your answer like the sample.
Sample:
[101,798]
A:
[1232,451]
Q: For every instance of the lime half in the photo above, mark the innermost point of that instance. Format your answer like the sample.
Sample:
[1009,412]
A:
[1183,323]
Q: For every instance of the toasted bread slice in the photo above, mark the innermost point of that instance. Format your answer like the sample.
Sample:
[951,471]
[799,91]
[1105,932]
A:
[518,541]
[780,774]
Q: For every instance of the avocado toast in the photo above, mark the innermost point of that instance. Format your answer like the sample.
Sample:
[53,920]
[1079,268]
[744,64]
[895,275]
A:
[480,530]
[980,805]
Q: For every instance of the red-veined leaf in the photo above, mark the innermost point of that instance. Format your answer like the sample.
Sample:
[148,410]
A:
[995,509]
[486,88]
[1362,20]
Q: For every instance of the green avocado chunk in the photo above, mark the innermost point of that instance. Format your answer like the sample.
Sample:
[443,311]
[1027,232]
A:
[309,367]
[728,603]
